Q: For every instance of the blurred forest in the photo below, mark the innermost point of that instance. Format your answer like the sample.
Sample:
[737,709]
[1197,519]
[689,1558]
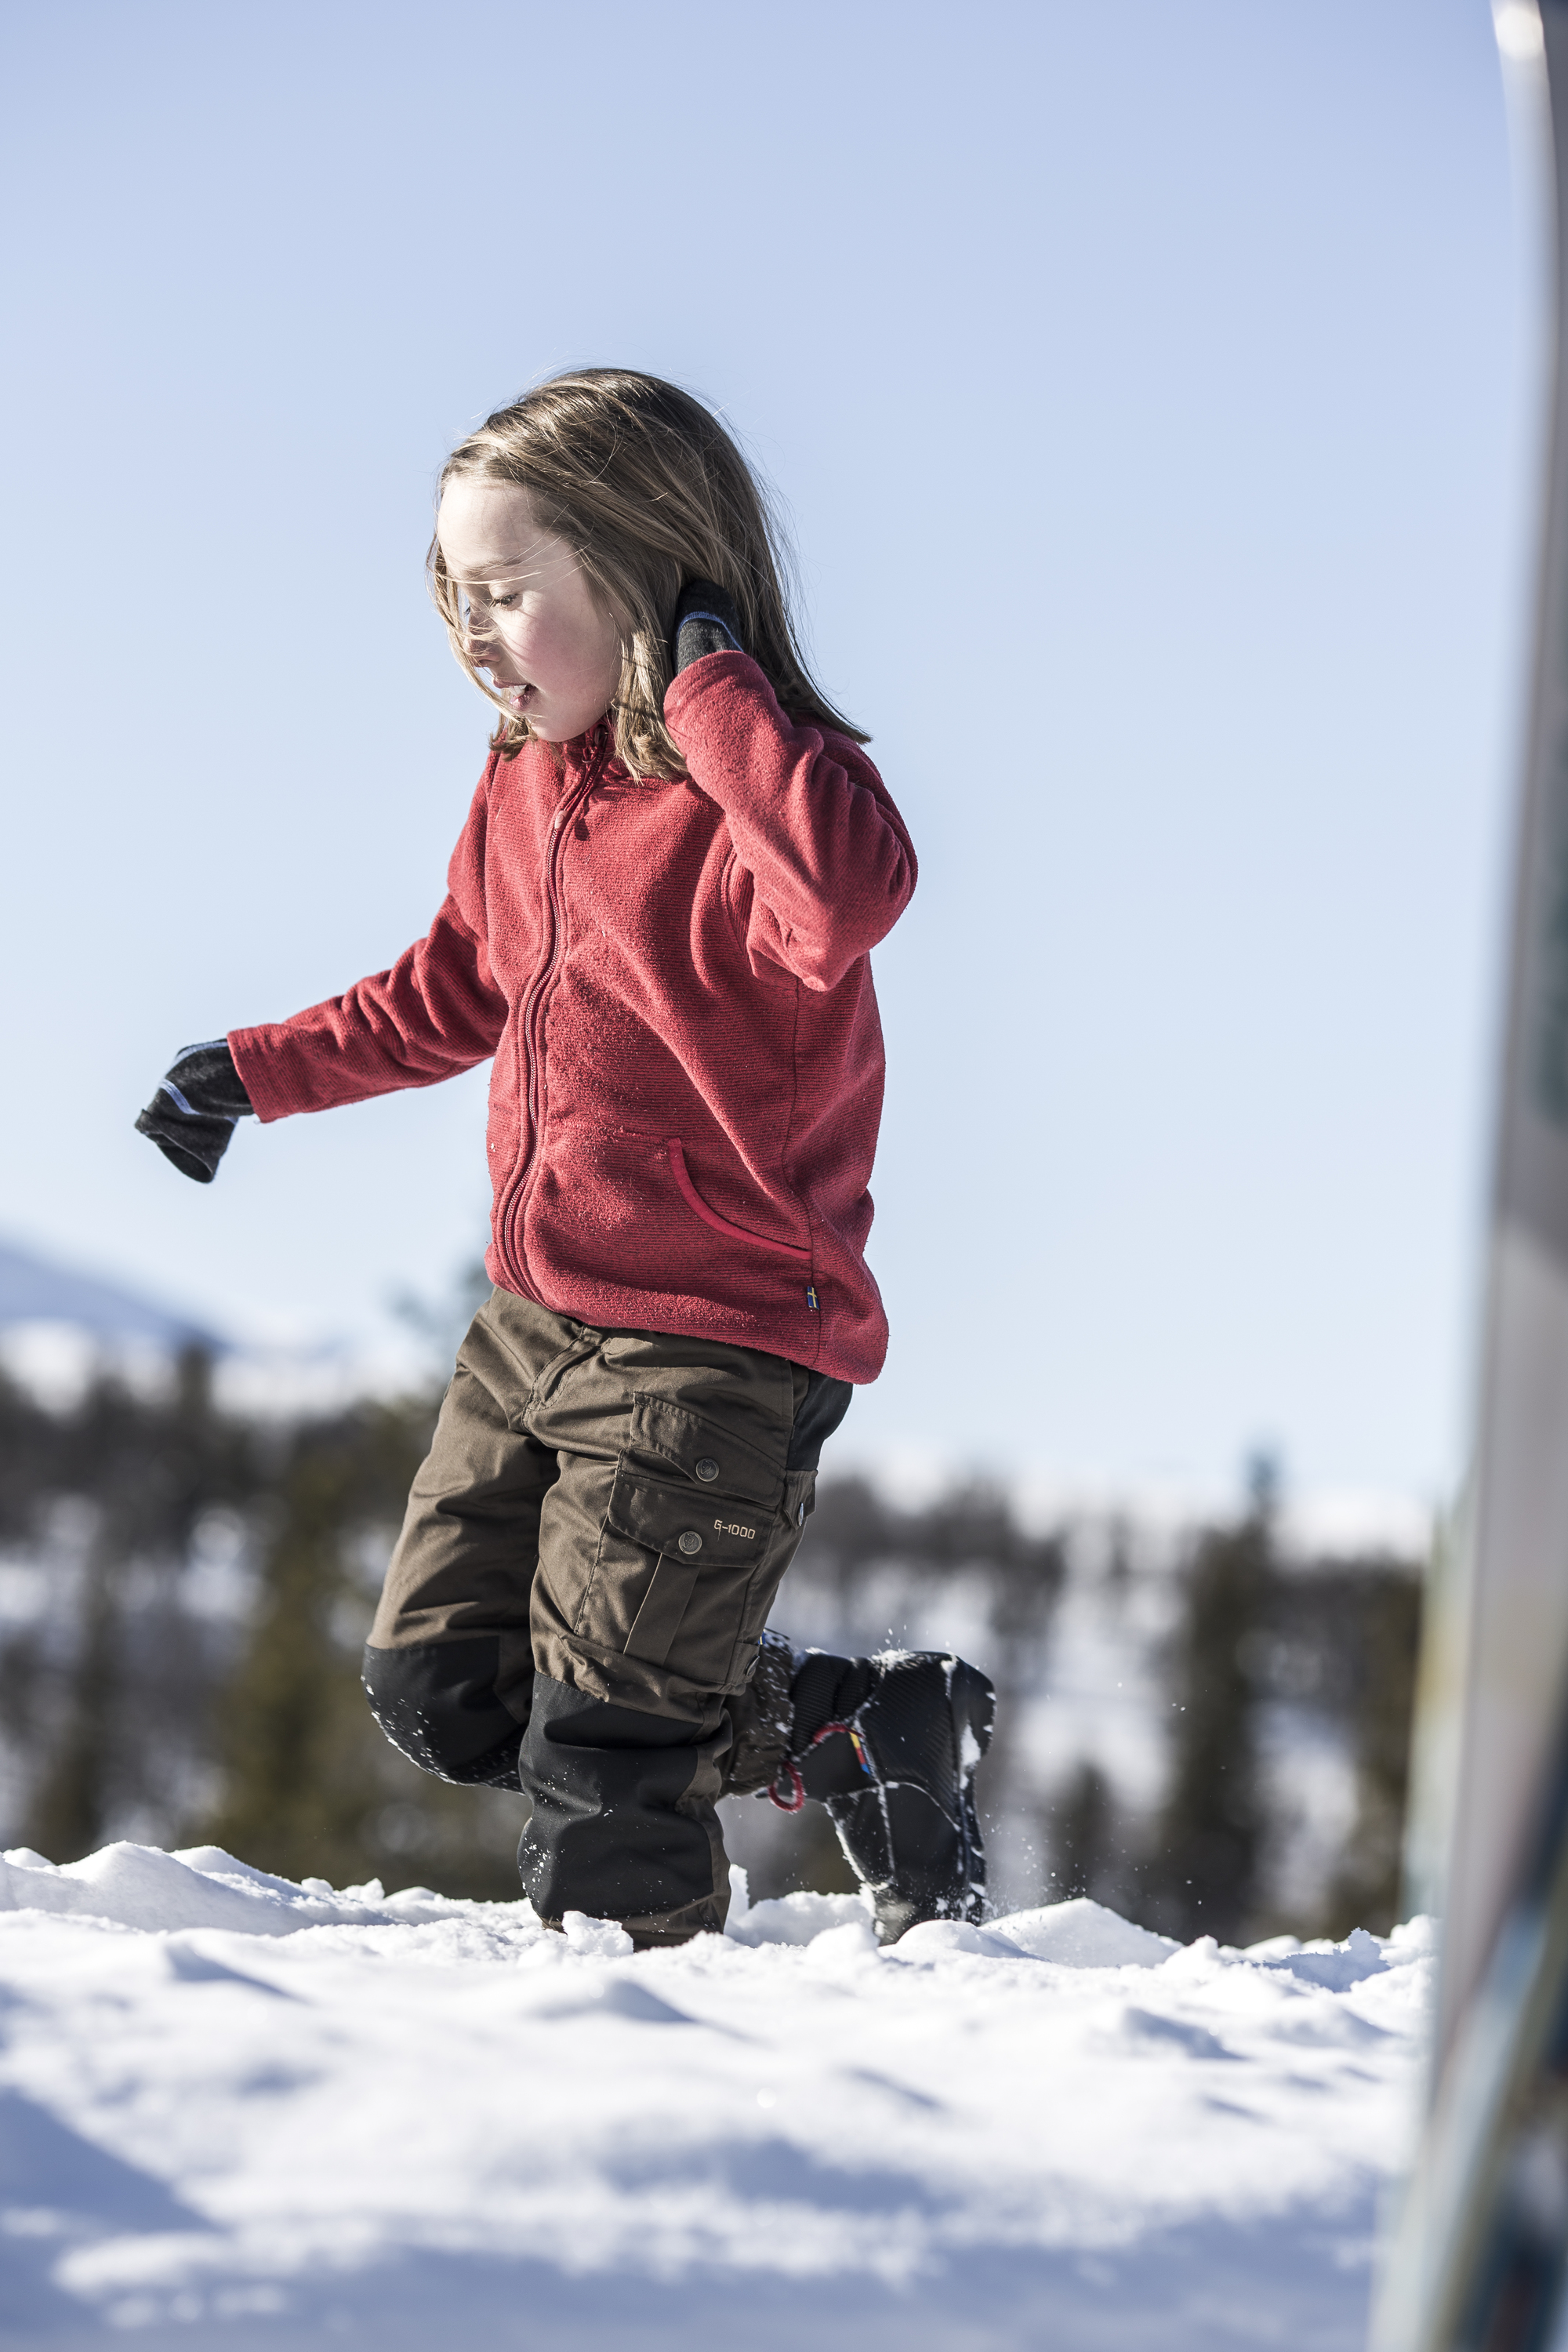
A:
[1204,1729]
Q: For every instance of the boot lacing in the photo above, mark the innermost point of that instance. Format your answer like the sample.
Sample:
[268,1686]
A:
[795,1798]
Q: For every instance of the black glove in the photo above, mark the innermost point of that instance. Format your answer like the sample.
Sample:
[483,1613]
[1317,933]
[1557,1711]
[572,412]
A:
[191,1116]
[706,621]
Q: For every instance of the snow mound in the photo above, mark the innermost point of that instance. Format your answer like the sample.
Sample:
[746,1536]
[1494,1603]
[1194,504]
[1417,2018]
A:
[796,1918]
[1340,1965]
[1084,1935]
[941,1939]
[236,2113]
[199,1886]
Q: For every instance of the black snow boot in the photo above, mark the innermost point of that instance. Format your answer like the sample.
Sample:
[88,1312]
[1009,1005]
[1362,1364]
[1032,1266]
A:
[889,1746]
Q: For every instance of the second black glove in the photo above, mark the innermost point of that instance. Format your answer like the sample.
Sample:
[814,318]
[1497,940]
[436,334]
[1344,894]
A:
[706,621]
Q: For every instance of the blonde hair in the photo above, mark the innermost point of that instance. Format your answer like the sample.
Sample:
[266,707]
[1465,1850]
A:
[649,491]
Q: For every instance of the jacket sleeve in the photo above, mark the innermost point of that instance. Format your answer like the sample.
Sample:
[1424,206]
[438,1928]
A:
[830,862]
[436,1012]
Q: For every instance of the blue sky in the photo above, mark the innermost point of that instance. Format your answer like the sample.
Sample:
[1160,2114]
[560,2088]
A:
[1149,391]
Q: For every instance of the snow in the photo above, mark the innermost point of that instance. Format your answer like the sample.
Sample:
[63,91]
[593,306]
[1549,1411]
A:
[236,2112]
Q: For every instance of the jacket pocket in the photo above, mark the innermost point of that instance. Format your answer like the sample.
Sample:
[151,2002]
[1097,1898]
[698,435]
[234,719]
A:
[699,1207]
[673,1576]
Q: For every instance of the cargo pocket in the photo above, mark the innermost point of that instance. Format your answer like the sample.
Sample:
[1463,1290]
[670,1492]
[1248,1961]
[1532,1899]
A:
[723,1462]
[674,1575]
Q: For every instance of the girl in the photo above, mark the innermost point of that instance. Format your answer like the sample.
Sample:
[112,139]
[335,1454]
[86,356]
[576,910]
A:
[658,923]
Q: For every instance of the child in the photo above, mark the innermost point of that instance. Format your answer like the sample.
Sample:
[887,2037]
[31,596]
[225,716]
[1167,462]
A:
[658,923]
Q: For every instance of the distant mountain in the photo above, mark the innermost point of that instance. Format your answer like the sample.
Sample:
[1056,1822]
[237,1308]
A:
[34,1290]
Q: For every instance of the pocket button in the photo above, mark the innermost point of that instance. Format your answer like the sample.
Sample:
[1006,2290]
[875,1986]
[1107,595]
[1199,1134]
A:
[708,1468]
[690,1542]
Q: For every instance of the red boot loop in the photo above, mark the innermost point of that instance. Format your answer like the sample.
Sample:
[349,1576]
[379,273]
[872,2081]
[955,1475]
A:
[796,1797]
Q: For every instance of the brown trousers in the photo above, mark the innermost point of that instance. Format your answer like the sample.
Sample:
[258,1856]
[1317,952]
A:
[589,1553]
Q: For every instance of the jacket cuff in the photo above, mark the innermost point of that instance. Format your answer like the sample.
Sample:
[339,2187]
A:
[258,1075]
[712,710]
[684,694]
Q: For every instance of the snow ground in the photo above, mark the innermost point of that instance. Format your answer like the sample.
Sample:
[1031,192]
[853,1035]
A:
[239,2112]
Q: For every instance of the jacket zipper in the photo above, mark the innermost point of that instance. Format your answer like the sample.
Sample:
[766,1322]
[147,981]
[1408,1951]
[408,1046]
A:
[509,1224]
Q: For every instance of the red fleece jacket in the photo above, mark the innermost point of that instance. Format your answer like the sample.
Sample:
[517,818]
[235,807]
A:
[675,981]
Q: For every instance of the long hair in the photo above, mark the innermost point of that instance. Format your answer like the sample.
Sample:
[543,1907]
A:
[648,491]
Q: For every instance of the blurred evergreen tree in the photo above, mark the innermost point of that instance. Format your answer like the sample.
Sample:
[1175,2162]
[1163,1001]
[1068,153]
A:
[1204,1871]
[1344,1639]
[1082,1826]
[299,1778]
[1368,1884]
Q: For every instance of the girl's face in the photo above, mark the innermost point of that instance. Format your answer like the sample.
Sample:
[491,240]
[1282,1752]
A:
[552,653]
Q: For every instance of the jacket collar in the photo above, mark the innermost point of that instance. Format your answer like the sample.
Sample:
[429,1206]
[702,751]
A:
[594,748]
